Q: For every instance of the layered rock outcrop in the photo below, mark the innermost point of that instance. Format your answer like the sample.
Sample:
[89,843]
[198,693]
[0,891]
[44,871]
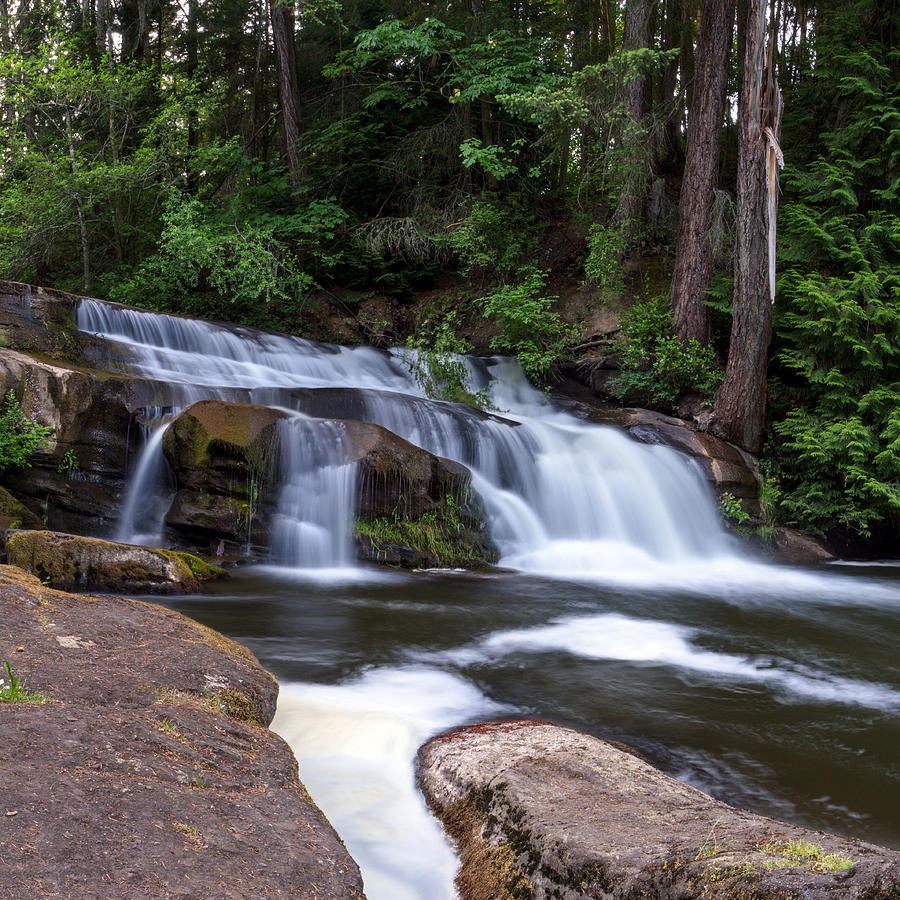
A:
[139,765]
[222,455]
[413,508]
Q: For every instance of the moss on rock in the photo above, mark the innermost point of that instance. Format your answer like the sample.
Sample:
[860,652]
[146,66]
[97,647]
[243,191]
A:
[69,562]
[14,515]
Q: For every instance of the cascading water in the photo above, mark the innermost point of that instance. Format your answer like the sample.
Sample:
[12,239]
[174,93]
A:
[559,495]
[141,519]
[311,529]
[665,636]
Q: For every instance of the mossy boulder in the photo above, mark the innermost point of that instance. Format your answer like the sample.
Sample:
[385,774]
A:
[414,508]
[15,515]
[219,446]
[69,562]
[221,455]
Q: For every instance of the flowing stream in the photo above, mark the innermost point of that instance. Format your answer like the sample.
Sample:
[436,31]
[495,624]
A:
[621,607]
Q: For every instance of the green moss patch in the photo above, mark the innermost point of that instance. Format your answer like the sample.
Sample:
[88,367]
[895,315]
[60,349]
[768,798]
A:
[438,535]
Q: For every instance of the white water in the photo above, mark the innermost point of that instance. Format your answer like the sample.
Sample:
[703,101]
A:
[356,742]
[560,496]
[311,529]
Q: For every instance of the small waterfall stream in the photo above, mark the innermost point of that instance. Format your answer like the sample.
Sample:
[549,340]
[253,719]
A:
[560,495]
[315,505]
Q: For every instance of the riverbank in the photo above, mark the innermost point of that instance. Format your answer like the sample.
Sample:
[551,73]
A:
[138,762]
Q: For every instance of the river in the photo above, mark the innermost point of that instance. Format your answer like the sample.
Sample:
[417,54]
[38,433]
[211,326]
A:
[620,607]
[772,689]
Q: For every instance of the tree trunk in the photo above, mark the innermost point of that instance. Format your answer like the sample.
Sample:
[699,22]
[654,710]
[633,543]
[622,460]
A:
[629,212]
[193,135]
[282,14]
[739,410]
[693,266]
[637,34]
[82,224]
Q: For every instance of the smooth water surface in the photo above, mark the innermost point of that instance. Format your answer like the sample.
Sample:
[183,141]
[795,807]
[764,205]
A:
[773,689]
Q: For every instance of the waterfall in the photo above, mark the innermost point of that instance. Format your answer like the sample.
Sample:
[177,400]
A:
[560,495]
[312,526]
[141,521]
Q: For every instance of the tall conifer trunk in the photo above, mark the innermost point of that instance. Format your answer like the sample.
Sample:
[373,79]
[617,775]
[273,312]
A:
[282,13]
[693,265]
[739,410]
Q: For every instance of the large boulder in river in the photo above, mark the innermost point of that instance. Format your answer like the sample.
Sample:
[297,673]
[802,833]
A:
[541,811]
[412,507]
[69,562]
[222,455]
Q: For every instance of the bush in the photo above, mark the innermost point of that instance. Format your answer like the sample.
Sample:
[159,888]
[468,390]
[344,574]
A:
[657,363]
[20,436]
[529,326]
[603,268]
[434,358]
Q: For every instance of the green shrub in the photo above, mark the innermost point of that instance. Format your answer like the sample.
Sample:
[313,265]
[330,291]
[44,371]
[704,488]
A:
[529,326]
[20,436]
[731,510]
[603,268]
[434,358]
[657,363]
[495,236]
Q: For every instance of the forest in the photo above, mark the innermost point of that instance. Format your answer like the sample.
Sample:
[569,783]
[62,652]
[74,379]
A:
[491,176]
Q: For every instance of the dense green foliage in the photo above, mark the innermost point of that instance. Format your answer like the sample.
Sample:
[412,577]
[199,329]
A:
[20,436]
[837,415]
[520,162]
[658,365]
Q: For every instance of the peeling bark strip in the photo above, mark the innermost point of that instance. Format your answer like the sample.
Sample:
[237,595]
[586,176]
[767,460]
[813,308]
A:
[739,411]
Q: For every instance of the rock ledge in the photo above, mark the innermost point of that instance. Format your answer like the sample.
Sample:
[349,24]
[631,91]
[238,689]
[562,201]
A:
[149,773]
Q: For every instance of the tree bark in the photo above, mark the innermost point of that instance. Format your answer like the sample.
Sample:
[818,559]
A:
[282,14]
[629,212]
[82,224]
[739,409]
[693,266]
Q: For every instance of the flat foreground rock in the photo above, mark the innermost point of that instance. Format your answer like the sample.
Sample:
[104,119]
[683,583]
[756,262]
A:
[147,772]
[541,811]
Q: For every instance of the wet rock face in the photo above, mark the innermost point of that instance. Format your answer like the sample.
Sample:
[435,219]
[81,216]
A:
[149,771]
[69,562]
[414,509]
[221,455]
[91,423]
[541,811]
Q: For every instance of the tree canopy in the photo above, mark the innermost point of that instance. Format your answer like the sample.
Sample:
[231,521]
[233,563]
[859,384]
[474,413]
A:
[254,160]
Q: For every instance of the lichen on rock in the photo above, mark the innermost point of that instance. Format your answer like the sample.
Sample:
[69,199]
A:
[588,821]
